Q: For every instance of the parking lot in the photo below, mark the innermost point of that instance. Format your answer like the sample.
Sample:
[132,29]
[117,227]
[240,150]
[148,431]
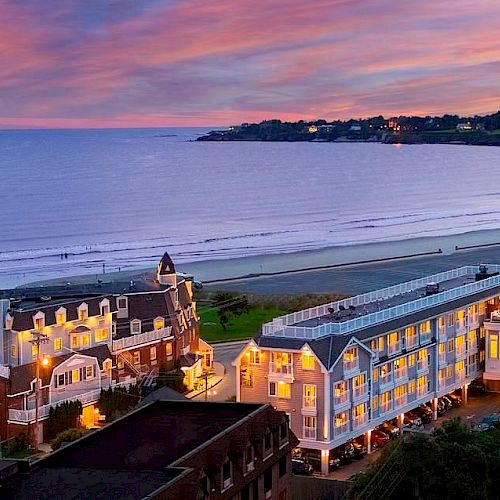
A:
[477,408]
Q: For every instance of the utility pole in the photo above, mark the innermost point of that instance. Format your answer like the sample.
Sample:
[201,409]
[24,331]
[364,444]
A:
[38,338]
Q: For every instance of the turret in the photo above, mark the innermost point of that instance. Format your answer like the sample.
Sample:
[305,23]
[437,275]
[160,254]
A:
[165,273]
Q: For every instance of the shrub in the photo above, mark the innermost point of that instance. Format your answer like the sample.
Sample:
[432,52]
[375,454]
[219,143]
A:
[68,436]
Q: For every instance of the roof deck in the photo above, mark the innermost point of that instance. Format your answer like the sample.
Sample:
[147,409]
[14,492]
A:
[361,311]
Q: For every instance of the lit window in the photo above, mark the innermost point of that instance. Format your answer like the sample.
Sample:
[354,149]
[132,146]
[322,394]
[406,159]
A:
[424,327]
[340,419]
[168,348]
[493,353]
[381,343]
[86,339]
[34,350]
[60,318]
[75,376]
[254,357]
[75,341]
[119,363]
[451,319]
[441,322]
[309,399]
[137,357]
[39,323]
[451,344]
[152,353]
[375,374]
[449,371]
[83,313]
[57,344]
[159,323]
[89,371]
[308,361]
[13,350]
[392,338]
[309,427]
[481,332]
[411,360]
[104,308]
[101,334]
[375,402]
[411,386]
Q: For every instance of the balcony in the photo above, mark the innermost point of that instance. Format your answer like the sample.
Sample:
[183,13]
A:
[459,375]
[400,373]
[394,348]
[422,390]
[359,420]
[472,346]
[351,366]
[425,337]
[411,342]
[442,333]
[386,407]
[441,383]
[471,370]
[309,432]
[401,400]
[460,351]
[422,365]
[341,429]
[460,326]
[280,368]
[341,398]
[385,380]
[309,402]
[359,391]
[142,338]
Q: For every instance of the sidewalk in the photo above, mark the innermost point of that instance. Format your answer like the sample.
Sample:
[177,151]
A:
[213,380]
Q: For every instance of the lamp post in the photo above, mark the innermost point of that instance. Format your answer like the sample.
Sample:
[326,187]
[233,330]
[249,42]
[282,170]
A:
[38,338]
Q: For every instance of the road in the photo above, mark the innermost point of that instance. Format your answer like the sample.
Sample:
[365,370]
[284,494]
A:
[225,353]
[353,280]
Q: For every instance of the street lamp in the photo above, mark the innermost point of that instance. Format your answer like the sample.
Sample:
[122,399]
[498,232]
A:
[38,338]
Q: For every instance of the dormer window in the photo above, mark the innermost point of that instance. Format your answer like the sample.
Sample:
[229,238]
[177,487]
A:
[122,303]
[135,327]
[104,307]
[39,321]
[61,316]
[159,323]
[83,312]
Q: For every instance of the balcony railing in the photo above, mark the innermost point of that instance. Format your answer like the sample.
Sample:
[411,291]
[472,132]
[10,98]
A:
[359,420]
[459,375]
[385,379]
[400,373]
[471,369]
[460,325]
[359,391]
[386,407]
[472,345]
[284,369]
[460,350]
[309,402]
[401,400]
[442,383]
[341,398]
[422,365]
[142,338]
[425,337]
[442,359]
[309,432]
[341,429]
[351,366]
[394,348]
[422,390]
[411,342]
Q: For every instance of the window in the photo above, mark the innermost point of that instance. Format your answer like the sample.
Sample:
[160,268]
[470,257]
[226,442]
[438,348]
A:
[449,371]
[254,357]
[284,431]
[39,323]
[75,376]
[481,332]
[57,344]
[308,361]
[441,323]
[340,419]
[119,363]
[86,339]
[392,339]
[104,306]
[249,459]
[159,323]
[89,372]
[152,353]
[83,313]
[381,343]
[75,341]
[424,327]
[375,374]
[411,360]
[280,389]
[375,402]
[122,303]
[101,334]
[227,475]
[493,351]
[107,365]
[481,356]
[268,445]
[13,350]
[451,319]
[60,317]
[451,344]
[268,483]
[168,349]
[281,362]
[309,427]
[135,327]
[34,350]
[137,357]
[60,380]
[351,355]
[309,396]
[410,333]
[411,387]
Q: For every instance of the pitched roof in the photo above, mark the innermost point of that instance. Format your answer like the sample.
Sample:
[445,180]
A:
[22,376]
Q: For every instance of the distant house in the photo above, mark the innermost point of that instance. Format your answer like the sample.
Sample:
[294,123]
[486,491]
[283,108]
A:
[355,128]
[464,126]
[312,129]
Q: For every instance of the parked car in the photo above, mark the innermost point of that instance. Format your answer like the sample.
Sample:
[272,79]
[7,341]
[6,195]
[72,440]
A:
[345,453]
[301,467]
[477,387]
[412,420]
[379,438]
[424,412]
[313,459]
[360,449]
[447,402]
[441,408]
[456,400]
[391,430]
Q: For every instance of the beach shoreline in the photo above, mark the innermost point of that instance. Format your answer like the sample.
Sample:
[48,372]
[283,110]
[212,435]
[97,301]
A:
[223,270]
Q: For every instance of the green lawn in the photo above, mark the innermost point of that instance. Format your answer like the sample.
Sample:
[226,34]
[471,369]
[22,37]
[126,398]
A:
[241,327]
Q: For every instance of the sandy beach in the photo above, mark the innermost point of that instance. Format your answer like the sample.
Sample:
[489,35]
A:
[339,256]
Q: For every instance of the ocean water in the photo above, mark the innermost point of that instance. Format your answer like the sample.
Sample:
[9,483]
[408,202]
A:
[123,197]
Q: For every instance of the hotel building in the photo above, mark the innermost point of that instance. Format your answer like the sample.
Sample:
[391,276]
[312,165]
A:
[341,369]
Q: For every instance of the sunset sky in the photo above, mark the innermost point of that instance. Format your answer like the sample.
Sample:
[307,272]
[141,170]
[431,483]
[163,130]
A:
[99,63]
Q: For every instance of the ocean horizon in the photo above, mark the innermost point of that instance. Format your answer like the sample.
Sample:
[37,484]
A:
[76,199]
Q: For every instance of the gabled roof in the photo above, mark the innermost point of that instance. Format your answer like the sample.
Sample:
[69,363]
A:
[22,376]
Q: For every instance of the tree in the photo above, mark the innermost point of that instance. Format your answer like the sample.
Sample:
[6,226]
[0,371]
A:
[115,402]
[228,305]
[171,378]
[64,416]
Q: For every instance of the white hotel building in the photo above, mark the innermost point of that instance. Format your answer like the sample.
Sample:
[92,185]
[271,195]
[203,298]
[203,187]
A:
[341,369]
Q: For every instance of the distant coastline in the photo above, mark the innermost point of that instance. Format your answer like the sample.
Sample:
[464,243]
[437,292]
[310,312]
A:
[447,129]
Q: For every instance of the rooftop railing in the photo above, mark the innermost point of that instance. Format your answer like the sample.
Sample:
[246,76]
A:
[283,326]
